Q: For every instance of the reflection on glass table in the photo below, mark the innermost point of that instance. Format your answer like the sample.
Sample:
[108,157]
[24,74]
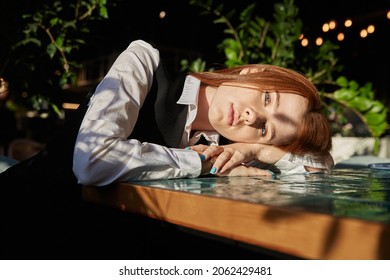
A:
[361,193]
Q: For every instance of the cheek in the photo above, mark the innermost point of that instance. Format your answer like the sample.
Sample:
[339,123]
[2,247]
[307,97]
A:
[286,136]
[213,115]
[245,135]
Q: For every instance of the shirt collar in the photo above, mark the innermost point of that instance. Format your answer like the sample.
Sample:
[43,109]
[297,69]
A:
[190,91]
[189,97]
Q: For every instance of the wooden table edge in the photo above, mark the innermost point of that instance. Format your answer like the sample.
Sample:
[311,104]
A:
[302,234]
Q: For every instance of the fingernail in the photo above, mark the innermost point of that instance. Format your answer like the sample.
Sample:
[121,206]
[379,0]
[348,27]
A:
[202,157]
[187,148]
[213,170]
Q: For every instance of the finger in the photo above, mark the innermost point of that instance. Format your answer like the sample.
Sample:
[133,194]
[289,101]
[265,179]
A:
[212,151]
[198,148]
[246,171]
[235,160]
[221,160]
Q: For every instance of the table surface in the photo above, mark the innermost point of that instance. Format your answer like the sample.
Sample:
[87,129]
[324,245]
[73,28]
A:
[343,214]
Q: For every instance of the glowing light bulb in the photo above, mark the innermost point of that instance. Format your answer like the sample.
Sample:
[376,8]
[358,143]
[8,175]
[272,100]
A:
[319,41]
[162,14]
[325,27]
[332,24]
[348,23]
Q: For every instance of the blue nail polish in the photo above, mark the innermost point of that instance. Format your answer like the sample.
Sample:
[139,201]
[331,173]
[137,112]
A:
[187,148]
[213,170]
[202,157]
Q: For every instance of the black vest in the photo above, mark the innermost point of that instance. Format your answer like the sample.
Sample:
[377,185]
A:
[161,119]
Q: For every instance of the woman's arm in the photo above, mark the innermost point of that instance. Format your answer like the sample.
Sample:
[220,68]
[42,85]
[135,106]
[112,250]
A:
[103,153]
[235,158]
[293,164]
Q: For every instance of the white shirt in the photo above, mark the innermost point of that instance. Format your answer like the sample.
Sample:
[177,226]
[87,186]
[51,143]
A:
[104,155]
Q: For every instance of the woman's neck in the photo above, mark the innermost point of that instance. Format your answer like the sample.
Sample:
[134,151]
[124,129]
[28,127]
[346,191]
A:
[201,121]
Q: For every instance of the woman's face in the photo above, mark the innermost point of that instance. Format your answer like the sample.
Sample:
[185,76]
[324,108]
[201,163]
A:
[244,114]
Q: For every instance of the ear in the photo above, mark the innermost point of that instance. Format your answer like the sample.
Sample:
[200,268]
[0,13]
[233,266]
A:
[249,70]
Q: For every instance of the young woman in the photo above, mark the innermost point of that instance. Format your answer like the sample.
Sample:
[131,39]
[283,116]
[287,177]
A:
[141,125]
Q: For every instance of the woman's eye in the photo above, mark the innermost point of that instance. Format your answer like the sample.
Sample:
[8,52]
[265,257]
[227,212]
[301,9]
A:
[264,129]
[267,98]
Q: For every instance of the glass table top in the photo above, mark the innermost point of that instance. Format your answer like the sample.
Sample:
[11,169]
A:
[361,193]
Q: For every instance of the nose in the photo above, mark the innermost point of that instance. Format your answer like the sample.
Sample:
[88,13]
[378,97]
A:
[252,118]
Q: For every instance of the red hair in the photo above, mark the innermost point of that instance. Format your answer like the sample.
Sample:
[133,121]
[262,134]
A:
[313,135]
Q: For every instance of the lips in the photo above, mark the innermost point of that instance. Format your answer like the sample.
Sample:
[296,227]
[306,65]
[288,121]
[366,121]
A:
[233,116]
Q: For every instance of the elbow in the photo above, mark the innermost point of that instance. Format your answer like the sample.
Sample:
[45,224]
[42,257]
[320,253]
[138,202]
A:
[83,172]
[88,172]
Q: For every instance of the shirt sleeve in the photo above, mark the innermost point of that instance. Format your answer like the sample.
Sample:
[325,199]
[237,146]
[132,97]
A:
[103,153]
[293,164]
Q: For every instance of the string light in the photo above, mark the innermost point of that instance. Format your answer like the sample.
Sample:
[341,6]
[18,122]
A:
[304,42]
[325,27]
[332,24]
[341,34]
[348,22]
[319,41]
[162,14]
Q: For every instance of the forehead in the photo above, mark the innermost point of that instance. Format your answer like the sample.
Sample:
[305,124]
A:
[241,85]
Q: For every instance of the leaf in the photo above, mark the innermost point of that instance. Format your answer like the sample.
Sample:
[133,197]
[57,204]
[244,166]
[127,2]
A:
[367,91]
[70,23]
[29,40]
[345,94]
[376,119]
[379,129]
[231,54]
[353,85]
[60,40]
[51,50]
[54,21]
[56,109]
[342,81]
[220,20]
[377,107]
[360,103]
[103,12]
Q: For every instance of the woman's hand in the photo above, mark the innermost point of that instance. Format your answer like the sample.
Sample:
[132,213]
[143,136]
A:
[229,160]
[207,163]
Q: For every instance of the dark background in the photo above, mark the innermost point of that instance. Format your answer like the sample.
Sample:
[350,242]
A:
[185,31]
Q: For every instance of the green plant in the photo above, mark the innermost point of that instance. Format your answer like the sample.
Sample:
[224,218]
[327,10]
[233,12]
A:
[361,101]
[46,53]
[254,39]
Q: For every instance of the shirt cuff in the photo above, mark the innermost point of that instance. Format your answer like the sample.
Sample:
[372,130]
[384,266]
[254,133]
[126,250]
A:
[189,162]
[292,164]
